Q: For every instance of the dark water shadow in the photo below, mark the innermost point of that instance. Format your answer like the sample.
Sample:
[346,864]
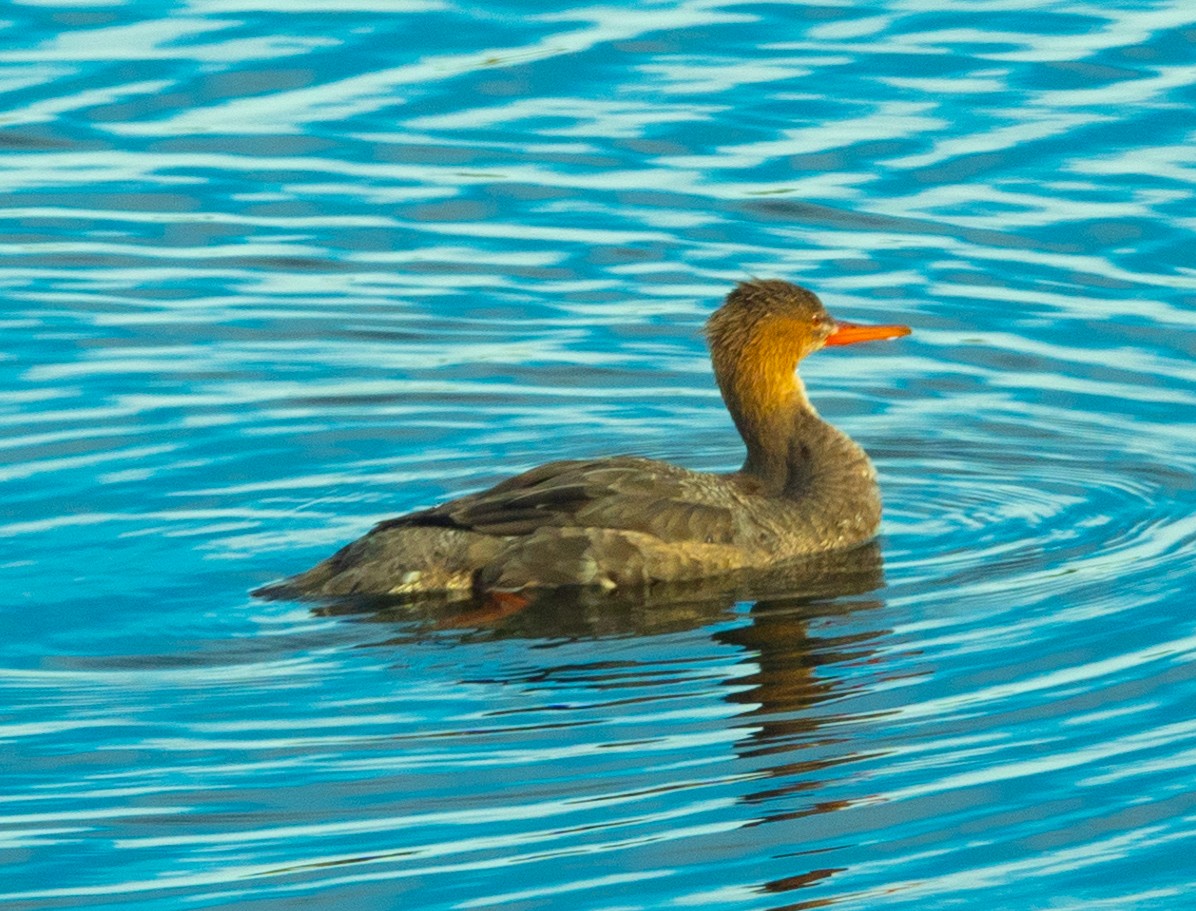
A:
[781,746]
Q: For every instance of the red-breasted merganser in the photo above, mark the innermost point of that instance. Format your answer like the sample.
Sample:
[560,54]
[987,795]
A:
[805,488]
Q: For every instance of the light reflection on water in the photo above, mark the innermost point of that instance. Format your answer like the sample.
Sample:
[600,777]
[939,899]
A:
[272,275]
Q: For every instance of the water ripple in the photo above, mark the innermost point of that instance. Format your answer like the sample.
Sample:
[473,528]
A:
[272,274]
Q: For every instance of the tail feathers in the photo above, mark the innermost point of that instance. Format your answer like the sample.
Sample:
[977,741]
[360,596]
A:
[393,561]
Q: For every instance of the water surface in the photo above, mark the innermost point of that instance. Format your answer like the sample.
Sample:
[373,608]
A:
[272,273]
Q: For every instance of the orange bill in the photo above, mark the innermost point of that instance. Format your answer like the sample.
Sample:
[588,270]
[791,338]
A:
[850,333]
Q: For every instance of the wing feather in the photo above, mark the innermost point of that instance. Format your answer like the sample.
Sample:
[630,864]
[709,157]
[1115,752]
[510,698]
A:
[624,494]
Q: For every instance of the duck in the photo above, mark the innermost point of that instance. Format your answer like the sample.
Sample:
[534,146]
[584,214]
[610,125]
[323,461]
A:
[628,522]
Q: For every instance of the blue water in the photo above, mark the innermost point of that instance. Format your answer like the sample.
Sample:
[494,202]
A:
[274,271]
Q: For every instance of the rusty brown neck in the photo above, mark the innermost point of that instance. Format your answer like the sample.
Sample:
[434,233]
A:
[789,445]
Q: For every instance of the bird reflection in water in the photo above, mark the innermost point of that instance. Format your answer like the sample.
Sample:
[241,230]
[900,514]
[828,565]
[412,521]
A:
[781,743]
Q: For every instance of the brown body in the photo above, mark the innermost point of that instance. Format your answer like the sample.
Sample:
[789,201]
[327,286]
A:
[619,522]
